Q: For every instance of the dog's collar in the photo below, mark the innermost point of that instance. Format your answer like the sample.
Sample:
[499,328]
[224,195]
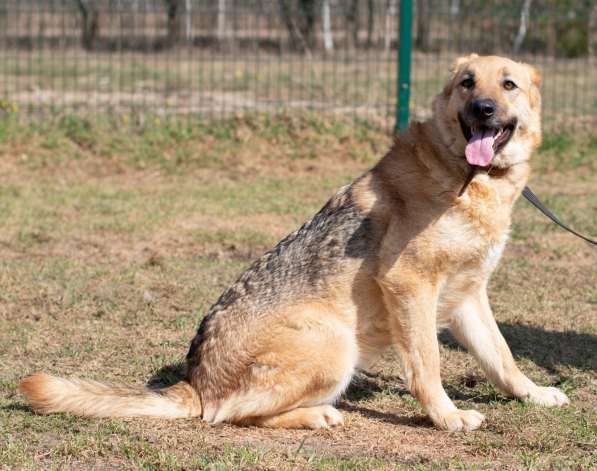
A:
[494,172]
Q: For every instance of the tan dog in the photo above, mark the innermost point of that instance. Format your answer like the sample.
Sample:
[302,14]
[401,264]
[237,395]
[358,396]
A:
[387,261]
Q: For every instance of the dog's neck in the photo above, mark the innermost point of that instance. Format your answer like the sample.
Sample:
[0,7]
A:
[445,172]
[456,164]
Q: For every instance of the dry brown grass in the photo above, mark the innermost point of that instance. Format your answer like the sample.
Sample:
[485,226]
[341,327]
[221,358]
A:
[110,254]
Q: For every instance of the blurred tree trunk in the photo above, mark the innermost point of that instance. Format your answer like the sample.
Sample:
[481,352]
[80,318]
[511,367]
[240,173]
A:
[391,10]
[592,32]
[328,39]
[173,23]
[308,15]
[90,23]
[352,24]
[300,32]
[294,35]
[423,38]
[370,21]
[3,17]
[552,35]
[188,12]
[522,28]
[221,22]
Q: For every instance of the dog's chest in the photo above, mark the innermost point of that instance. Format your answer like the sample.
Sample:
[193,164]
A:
[484,210]
[474,230]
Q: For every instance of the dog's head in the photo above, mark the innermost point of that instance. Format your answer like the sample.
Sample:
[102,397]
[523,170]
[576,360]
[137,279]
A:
[489,111]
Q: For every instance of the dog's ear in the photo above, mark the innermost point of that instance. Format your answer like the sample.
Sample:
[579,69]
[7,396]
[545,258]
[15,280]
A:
[534,93]
[534,74]
[454,68]
[461,61]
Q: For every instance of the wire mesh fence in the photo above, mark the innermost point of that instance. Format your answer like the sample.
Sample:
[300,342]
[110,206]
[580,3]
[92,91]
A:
[213,58]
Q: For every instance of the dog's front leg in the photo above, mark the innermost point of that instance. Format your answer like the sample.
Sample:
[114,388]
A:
[474,326]
[412,314]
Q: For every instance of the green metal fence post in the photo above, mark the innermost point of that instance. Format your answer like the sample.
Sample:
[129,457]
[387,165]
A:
[404,60]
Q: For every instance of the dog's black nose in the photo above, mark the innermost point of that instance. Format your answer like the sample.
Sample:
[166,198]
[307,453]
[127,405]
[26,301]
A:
[483,108]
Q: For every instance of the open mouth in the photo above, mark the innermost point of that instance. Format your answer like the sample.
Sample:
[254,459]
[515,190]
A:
[484,142]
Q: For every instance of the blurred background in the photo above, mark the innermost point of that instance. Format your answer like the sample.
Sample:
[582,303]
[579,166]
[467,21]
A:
[214,58]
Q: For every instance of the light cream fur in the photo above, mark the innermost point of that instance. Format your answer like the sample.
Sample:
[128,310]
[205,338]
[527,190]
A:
[49,394]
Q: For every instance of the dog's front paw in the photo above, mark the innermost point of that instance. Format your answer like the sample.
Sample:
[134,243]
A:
[460,420]
[547,396]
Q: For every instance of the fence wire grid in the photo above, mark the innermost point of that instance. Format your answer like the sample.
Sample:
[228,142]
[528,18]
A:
[213,58]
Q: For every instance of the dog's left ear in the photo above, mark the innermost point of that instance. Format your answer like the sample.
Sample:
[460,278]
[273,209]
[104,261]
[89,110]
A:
[454,68]
[461,61]
[535,76]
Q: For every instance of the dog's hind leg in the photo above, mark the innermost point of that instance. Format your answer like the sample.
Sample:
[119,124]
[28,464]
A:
[300,368]
[474,326]
[302,417]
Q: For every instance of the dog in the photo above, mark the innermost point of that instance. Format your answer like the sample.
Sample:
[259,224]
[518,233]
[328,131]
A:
[404,250]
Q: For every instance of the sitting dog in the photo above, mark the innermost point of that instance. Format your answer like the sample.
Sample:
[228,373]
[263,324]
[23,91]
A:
[405,249]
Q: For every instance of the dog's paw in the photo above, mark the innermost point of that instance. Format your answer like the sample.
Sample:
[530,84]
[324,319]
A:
[459,420]
[324,417]
[333,416]
[547,396]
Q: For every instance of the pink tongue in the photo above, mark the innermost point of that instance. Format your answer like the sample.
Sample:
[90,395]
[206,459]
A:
[479,150]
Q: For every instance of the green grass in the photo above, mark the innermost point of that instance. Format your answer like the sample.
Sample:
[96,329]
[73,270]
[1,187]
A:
[116,239]
[564,152]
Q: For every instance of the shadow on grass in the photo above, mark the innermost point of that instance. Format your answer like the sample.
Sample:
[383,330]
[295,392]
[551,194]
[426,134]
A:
[168,375]
[365,384]
[16,408]
[550,350]
[394,419]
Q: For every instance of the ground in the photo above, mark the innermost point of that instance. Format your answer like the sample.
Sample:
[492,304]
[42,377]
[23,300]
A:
[115,241]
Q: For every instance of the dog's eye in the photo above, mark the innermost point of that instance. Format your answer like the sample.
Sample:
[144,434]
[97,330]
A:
[467,83]
[509,85]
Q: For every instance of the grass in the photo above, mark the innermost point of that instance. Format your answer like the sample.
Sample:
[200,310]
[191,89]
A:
[116,239]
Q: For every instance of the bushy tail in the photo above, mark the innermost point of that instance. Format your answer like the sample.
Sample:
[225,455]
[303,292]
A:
[48,394]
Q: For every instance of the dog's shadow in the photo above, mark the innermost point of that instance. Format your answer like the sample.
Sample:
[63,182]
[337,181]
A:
[168,375]
[551,350]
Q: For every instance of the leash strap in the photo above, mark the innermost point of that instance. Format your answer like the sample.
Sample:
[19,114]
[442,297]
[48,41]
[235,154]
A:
[529,195]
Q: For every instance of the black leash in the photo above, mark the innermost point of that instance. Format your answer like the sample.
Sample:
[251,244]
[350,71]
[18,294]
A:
[532,198]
